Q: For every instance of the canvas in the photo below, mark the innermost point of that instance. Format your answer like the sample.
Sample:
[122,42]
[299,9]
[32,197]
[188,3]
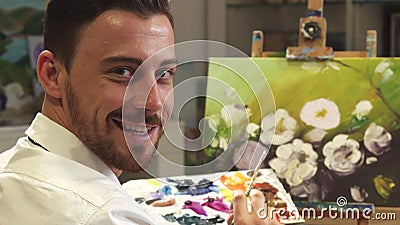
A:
[337,124]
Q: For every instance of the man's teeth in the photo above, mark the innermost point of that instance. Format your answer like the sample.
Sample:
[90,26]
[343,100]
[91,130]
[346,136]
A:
[140,130]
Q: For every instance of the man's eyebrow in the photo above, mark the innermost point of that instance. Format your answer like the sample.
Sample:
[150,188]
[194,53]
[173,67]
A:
[123,59]
[169,62]
[137,61]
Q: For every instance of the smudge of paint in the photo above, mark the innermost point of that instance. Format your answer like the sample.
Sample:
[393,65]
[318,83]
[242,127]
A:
[217,204]
[384,186]
[195,206]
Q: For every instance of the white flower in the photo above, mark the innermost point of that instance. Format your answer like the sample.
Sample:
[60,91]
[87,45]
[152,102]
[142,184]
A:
[252,128]
[371,160]
[384,69]
[212,123]
[315,135]
[308,189]
[387,74]
[377,140]
[343,155]
[234,114]
[248,155]
[318,67]
[362,109]
[311,67]
[285,128]
[358,194]
[296,162]
[214,143]
[382,66]
[267,129]
[332,65]
[223,143]
[320,113]
[230,93]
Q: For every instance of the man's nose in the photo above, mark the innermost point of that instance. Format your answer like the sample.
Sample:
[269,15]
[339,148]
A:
[144,94]
[153,101]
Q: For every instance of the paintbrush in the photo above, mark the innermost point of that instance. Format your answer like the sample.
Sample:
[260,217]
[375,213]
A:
[253,178]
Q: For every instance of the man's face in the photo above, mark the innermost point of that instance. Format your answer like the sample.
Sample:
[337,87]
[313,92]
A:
[110,50]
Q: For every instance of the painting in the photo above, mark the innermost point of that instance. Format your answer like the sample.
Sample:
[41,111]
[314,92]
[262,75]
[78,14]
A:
[20,92]
[336,131]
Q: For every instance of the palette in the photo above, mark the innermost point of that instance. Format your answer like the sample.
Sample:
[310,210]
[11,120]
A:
[210,204]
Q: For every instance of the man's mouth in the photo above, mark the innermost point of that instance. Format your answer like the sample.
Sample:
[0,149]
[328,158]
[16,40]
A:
[139,130]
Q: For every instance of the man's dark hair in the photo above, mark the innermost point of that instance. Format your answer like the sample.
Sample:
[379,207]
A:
[64,19]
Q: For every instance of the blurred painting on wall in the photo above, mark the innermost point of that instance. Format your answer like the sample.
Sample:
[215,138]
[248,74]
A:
[20,92]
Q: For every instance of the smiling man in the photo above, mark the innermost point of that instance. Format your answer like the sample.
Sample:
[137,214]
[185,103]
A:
[91,128]
[105,59]
[65,171]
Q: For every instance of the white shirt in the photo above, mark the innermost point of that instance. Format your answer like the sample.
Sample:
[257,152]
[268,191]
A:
[68,184]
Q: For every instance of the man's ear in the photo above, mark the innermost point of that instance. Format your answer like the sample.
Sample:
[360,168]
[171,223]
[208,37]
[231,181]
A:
[49,74]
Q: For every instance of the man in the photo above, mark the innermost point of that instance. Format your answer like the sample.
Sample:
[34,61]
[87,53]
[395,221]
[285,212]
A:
[65,171]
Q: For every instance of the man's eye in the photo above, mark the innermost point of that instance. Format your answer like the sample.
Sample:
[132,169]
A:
[122,72]
[164,73]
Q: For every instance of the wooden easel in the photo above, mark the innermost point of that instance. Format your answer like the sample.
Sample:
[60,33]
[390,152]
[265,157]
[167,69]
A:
[312,39]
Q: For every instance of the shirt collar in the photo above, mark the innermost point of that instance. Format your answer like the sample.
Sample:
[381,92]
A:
[58,140]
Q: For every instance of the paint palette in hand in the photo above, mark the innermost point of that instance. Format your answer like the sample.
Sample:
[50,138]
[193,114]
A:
[198,200]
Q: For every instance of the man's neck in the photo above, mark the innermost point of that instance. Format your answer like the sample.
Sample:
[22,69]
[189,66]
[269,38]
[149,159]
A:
[116,171]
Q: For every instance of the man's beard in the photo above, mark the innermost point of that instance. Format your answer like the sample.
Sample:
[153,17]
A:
[94,137]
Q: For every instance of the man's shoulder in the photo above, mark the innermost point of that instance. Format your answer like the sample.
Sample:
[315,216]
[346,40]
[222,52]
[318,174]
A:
[66,191]
[37,168]
[6,155]
[77,203]
[5,158]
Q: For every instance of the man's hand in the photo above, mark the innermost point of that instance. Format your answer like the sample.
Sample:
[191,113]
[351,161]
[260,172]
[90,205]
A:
[241,214]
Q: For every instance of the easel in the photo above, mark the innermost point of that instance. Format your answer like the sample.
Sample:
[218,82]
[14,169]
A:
[312,39]
[312,46]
